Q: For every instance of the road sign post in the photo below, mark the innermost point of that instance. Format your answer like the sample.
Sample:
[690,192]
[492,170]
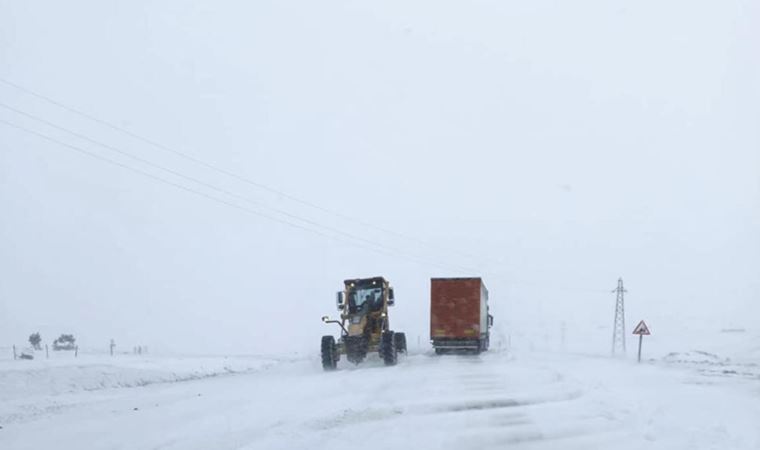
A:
[641,330]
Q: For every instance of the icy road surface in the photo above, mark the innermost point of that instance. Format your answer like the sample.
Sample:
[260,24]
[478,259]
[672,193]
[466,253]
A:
[531,401]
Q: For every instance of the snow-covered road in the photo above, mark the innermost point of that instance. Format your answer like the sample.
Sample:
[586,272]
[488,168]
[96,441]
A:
[496,400]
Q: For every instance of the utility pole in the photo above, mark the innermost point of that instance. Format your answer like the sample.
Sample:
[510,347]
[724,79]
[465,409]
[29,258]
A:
[618,329]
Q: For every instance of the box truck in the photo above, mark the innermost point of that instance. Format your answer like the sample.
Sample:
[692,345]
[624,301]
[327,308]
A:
[459,316]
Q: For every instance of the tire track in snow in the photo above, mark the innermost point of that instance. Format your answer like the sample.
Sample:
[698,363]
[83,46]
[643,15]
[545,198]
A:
[469,398]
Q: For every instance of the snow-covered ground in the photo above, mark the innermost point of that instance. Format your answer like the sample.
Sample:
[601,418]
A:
[516,399]
[31,389]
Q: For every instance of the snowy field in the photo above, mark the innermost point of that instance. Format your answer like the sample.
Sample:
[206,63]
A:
[690,399]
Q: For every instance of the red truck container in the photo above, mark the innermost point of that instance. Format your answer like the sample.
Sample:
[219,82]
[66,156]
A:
[459,316]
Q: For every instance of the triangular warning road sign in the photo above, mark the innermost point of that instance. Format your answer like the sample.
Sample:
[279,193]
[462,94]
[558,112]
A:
[641,329]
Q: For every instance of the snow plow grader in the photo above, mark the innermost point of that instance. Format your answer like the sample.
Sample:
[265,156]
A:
[364,324]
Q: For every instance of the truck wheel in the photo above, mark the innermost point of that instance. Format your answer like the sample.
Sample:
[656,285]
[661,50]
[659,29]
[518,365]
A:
[388,349]
[329,353]
[400,340]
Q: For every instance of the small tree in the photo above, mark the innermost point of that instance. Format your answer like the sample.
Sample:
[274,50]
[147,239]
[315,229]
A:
[35,340]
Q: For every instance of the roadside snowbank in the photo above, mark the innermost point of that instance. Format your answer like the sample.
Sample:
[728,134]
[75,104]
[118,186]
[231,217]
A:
[41,377]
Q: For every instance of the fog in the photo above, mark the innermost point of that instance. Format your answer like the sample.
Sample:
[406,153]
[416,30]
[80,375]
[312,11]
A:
[549,147]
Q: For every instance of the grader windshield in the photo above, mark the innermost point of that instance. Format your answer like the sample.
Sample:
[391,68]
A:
[365,295]
[367,298]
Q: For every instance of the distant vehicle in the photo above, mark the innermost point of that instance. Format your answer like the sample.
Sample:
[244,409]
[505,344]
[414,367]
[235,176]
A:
[27,353]
[459,316]
[364,324]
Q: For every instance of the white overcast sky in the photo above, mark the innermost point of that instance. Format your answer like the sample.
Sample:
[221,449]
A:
[548,146]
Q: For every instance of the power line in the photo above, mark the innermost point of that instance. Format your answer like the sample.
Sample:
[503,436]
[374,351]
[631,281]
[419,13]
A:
[260,186]
[385,251]
[558,287]
[377,248]
[231,174]
[208,185]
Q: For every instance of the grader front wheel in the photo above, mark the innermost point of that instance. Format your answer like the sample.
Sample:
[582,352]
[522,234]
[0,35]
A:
[329,353]
[400,341]
[388,350]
